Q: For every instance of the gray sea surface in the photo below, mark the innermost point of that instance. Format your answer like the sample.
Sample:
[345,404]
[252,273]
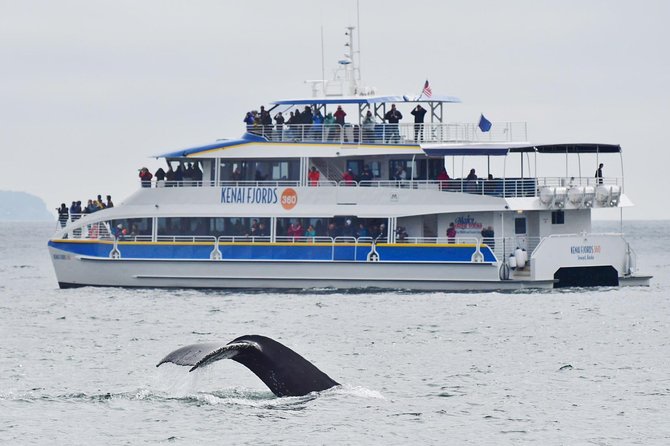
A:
[576,366]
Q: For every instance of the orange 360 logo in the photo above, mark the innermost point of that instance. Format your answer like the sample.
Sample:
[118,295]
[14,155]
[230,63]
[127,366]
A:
[289,198]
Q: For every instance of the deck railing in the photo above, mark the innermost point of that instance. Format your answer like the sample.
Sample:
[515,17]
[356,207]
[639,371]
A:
[402,133]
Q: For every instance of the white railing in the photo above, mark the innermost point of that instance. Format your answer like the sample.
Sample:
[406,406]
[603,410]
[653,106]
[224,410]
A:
[402,133]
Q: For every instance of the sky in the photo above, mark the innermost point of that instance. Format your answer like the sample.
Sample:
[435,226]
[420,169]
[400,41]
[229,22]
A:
[90,90]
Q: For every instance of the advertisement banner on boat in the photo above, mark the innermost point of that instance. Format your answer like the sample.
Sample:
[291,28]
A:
[465,224]
[286,197]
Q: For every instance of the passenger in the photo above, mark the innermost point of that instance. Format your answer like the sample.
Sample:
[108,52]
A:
[279,126]
[366,176]
[99,203]
[348,229]
[328,126]
[179,176]
[78,211]
[145,177]
[197,174]
[368,127]
[266,122]
[451,233]
[362,231]
[262,230]
[599,173]
[310,232]
[63,215]
[160,177]
[348,178]
[393,117]
[400,234]
[317,126]
[169,176]
[120,231]
[313,176]
[488,237]
[297,125]
[110,204]
[295,229]
[471,182]
[91,207]
[237,175]
[188,174]
[73,211]
[339,120]
[443,178]
[249,121]
[332,231]
[419,112]
[340,115]
[382,236]
[400,173]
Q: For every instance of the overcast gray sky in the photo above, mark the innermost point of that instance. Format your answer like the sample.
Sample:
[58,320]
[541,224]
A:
[89,90]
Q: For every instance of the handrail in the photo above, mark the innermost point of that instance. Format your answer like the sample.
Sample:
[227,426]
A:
[385,133]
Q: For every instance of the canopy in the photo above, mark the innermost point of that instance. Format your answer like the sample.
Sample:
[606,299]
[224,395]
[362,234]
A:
[570,148]
[472,149]
[220,144]
[341,100]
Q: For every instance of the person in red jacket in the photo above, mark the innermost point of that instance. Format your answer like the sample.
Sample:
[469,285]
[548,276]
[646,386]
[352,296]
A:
[314,176]
[145,177]
[348,178]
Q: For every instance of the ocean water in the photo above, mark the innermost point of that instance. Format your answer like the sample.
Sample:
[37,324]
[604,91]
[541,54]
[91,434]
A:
[577,366]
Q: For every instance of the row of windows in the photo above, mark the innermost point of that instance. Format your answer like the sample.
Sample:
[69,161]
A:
[252,227]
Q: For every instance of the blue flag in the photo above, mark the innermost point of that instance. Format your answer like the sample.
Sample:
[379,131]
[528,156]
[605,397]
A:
[484,124]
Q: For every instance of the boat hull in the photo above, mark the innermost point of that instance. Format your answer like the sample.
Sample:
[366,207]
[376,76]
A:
[75,271]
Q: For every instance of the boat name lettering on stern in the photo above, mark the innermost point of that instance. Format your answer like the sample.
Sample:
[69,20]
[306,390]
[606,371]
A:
[249,195]
[585,252]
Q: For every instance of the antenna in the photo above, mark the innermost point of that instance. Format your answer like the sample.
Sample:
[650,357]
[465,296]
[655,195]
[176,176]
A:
[323,65]
[358,26]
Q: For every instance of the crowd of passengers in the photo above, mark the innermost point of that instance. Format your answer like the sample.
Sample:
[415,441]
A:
[76,210]
[309,124]
[186,174]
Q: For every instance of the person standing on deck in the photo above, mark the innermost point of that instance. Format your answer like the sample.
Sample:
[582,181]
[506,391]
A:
[313,176]
[393,117]
[451,233]
[419,112]
[599,173]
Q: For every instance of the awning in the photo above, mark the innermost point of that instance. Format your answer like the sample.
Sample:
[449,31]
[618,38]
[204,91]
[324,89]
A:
[501,149]
[246,138]
[570,148]
[342,100]
[474,149]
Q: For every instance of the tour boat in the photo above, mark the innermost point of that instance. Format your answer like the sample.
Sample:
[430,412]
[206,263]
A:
[380,213]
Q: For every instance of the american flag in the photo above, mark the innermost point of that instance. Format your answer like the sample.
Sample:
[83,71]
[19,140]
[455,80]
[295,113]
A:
[427,92]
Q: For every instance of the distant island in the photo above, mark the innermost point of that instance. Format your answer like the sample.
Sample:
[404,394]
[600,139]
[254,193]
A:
[21,206]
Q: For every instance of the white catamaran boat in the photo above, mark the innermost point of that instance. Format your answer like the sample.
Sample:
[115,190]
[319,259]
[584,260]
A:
[364,204]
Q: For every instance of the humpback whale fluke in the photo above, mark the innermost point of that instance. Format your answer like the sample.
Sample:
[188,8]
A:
[284,371]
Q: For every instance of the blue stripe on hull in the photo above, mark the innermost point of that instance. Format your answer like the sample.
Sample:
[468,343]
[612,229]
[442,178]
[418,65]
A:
[392,253]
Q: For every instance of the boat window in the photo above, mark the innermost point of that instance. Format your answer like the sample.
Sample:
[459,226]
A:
[406,165]
[557,218]
[520,225]
[260,170]
[340,226]
[133,226]
[213,227]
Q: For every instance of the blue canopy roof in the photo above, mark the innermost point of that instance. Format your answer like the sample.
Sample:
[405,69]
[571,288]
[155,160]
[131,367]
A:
[341,100]
[246,138]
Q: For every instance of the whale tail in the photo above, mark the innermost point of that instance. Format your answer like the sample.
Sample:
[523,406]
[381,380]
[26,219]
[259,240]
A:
[284,371]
